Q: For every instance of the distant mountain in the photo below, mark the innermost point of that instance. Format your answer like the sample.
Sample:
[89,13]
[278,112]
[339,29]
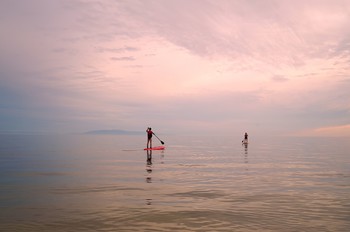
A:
[114,132]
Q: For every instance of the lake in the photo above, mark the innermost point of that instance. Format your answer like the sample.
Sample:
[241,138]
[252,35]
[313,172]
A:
[198,183]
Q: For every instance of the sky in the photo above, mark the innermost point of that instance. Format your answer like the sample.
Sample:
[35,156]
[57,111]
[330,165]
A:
[272,67]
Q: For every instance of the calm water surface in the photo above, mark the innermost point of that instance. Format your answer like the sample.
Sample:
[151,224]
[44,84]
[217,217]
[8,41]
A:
[108,183]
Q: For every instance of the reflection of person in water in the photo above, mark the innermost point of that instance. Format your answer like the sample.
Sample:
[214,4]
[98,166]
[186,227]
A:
[245,155]
[149,158]
[149,166]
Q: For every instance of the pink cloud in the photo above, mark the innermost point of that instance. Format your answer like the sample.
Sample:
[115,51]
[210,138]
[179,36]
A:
[279,64]
[331,131]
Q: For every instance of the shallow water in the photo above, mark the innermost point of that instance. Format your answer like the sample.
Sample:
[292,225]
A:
[108,183]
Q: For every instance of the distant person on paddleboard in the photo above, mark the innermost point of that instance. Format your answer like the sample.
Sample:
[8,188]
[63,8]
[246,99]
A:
[149,136]
[245,138]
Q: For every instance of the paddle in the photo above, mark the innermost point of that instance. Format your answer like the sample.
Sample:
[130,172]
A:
[158,138]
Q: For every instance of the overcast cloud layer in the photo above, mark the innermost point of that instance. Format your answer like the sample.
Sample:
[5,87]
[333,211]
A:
[189,66]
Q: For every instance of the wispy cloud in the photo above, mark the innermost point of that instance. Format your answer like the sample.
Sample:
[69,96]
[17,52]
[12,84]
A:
[117,50]
[124,58]
[279,78]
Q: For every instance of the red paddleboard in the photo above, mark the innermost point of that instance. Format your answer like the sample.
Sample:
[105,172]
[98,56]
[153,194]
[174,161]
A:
[155,148]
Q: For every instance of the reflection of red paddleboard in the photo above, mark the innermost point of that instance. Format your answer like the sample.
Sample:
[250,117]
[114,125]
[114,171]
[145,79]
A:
[155,148]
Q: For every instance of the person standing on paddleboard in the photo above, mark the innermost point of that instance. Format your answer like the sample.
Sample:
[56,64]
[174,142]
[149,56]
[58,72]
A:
[149,136]
[245,138]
